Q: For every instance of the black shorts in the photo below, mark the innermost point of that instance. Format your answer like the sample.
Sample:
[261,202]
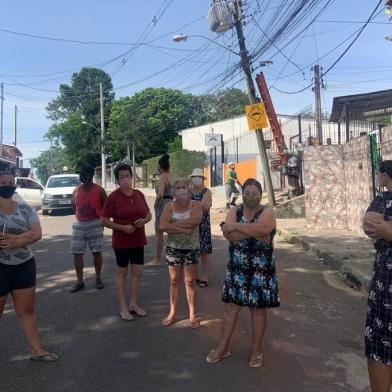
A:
[129,256]
[16,277]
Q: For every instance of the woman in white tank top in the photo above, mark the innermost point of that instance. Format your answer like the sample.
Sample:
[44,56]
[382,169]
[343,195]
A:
[181,219]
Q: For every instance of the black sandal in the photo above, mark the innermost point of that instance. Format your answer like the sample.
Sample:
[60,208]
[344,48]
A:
[203,283]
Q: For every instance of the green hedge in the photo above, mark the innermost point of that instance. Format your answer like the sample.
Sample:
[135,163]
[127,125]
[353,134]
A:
[182,163]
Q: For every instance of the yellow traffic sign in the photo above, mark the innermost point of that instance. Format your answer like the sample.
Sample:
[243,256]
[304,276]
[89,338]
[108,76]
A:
[257,116]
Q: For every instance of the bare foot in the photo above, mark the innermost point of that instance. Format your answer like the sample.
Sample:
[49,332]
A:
[169,320]
[126,316]
[194,323]
[256,360]
[135,309]
[216,355]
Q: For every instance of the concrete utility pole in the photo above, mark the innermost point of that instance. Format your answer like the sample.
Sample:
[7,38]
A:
[15,125]
[1,118]
[252,99]
[128,152]
[103,156]
[317,96]
[133,165]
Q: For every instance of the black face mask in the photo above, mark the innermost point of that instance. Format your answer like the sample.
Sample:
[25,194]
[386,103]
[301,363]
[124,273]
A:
[7,191]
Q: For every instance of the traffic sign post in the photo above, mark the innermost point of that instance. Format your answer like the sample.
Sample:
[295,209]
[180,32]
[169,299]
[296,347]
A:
[256,116]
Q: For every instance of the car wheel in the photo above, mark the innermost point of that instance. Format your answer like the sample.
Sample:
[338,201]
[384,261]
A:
[45,212]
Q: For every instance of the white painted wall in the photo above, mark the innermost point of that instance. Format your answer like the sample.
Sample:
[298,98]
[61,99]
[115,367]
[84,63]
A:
[237,127]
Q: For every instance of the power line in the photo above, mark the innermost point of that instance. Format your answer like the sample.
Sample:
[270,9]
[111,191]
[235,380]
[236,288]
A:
[341,56]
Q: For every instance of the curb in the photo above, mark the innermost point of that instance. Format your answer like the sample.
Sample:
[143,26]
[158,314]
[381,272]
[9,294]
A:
[356,273]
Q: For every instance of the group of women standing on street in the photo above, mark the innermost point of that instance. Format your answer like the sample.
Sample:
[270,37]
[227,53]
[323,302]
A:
[182,210]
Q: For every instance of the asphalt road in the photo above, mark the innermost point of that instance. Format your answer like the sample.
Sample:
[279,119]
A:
[314,340]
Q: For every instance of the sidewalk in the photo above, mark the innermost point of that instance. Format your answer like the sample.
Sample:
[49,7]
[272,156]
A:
[349,253]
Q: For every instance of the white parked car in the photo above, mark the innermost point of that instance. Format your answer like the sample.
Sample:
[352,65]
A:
[58,192]
[28,191]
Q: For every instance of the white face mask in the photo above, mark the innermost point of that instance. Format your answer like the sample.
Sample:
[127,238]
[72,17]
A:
[197,180]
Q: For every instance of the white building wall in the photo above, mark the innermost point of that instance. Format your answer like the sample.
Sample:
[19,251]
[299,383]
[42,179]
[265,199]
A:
[237,127]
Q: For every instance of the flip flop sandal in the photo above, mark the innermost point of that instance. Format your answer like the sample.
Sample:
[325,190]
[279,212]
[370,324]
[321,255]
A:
[218,358]
[194,324]
[258,363]
[134,313]
[50,357]
[166,322]
[203,283]
[126,316]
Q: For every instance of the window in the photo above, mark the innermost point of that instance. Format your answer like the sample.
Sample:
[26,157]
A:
[33,185]
[25,183]
[59,182]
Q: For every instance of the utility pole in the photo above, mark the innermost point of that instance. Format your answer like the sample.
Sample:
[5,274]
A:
[317,96]
[15,124]
[128,152]
[103,156]
[1,118]
[252,99]
[133,165]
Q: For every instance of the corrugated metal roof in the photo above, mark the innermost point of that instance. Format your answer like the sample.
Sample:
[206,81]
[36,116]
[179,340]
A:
[362,107]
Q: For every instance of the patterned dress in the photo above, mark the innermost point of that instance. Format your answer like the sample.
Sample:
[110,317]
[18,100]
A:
[205,225]
[250,278]
[378,333]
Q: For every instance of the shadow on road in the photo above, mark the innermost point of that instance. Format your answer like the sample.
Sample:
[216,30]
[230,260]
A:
[311,344]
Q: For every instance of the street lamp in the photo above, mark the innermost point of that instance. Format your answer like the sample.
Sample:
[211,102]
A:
[184,37]
[103,156]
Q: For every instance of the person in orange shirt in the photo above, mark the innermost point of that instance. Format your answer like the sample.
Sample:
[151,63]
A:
[88,200]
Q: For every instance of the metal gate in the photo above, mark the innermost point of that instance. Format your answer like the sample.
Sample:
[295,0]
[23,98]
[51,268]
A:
[375,157]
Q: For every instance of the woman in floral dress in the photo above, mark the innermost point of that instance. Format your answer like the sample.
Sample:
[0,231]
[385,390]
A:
[250,279]
[378,333]
[202,194]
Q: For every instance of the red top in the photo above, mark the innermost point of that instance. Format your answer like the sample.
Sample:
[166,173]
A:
[88,204]
[125,210]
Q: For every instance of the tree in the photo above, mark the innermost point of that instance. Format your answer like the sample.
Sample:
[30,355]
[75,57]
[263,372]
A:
[175,145]
[221,105]
[77,103]
[81,142]
[48,162]
[151,118]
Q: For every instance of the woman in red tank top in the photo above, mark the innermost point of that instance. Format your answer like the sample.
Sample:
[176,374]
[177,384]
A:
[88,199]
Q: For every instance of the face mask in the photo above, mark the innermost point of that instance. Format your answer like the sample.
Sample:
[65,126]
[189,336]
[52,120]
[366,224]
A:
[7,191]
[251,201]
[125,183]
[181,194]
[197,180]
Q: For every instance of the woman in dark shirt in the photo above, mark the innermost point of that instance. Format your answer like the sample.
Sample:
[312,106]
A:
[378,332]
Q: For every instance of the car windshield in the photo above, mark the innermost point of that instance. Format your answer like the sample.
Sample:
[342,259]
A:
[60,182]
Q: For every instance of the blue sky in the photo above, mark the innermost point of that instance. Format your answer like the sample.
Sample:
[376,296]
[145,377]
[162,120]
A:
[26,62]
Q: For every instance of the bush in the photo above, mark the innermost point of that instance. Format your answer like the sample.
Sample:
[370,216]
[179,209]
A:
[182,163]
